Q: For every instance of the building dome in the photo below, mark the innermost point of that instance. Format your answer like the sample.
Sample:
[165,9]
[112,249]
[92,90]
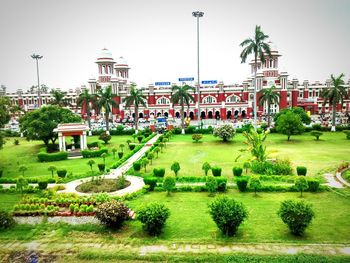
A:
[104,55]
[121,63]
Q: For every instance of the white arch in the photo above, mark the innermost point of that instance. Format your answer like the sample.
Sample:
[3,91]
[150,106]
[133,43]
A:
[162,101]
[209,99]
[233,98]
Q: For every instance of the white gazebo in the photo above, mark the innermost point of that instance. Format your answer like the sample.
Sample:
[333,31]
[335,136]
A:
[71,129]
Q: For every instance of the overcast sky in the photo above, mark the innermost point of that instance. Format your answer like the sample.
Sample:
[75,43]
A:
[158,38]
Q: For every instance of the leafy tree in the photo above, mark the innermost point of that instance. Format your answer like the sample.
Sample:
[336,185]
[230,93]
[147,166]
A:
[260,49]
[137,99]
[289,124]
[255,142]
[181,95]
[197,137]
[175,167]
[297,215]
[246,166]
[335,95]
[206,167]
[128,142]
[105,100]
[255,183]
[211,185]
[5,106]
[114,150]
[144,163]
[134,136]
[6,220]
[156,150]
[316,134]
[305,118]
[52,169]
[105,137]
[91,163]
[225,132]
[112,214]
[58,98]
[150,156]
[161,145]
[104,155]
[301,185]
[39,124]
[153,217]
[269,96]
[121,147]
[228,214]
[21,183]
[169,183]
[88,101]
[22,169]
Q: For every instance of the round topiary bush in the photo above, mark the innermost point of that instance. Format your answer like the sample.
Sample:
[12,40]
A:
[153,217]
[297,215]
[225,132]
[227,214]
[159,172]
[313,184]
[136,166]
[242,183]
[42,185]
[101,167]
[132,146]
[6,220]
[151,181]
[112,213]
[237,171]
[216,170]
[301,170]
[62,173]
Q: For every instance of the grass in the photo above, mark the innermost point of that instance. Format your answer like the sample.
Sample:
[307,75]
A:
[7,201]
[318,156]
[102,185]
[25,153]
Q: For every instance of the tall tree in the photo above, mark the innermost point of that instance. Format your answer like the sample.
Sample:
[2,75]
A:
[87,99]
[181,95]
[260,49]
[105,100]
[5,106]
[137,99]
[269,96]
[335,95]
[58,98]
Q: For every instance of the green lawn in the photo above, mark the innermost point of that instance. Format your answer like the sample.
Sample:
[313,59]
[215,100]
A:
[302,150]
[11,157]
[7,201]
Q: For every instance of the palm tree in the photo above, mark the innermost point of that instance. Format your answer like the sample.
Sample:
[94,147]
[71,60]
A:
[137,99]
[86,99]
[259,48]
[335,95]
[58,98]
[269,96]
[181,96]
[105,100]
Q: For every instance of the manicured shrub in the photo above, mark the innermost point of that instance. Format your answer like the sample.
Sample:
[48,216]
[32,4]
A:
[52,157]
[120,155]
[151,181]
[225,132]
[297,215]
[282,167]
[242,183]
[228,214]
[93,153]
[206,167]
[153,217]
[347,134]
[112,213]
[105,137]
[211,185]
[62,173]
[92,145]
[197,137]
[301,185]
[175,167]
[91,162]
[6,220]
[101,167]
[159,172]
[169,184]
[221,183]
[313,184]
[255,183]
[137,166]
[139,138]
[216,170]
[317,127]
[301,170]
[42,185]
[316,134]
[132,146]
[262,167]
[237,171]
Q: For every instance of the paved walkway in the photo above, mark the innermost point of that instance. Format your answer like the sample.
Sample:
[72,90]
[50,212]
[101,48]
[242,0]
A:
[332,182]
[136,182]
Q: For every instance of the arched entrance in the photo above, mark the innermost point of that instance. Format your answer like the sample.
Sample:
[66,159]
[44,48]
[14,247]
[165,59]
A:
[159,114]
[210,114]
[229,114]
[177,114]
[133,115]
[166,114]
[236,114]
[217,115]
[191,115]
[141,115]
[244,114]
[203,114]
[185,114]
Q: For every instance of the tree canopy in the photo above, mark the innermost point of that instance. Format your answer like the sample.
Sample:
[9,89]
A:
[297,110]
[4,111]
[39,124]
[289,124]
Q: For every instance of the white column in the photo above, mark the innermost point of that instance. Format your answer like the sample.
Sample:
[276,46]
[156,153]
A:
[60,141]
[81,142]
[85,140]
[64,143]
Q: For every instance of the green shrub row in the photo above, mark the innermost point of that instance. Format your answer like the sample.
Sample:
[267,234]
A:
[52,157]
[93,153]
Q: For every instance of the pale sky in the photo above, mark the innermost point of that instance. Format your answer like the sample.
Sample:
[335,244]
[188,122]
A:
[158,38]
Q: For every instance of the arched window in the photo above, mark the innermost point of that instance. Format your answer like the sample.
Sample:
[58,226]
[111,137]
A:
[233,98]
[209,99]
[163,101]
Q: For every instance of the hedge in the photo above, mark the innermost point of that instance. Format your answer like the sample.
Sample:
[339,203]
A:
[93,153]
[52,157]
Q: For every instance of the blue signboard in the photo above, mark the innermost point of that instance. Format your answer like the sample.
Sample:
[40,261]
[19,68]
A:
[186,79]
[162,83]
[209,81]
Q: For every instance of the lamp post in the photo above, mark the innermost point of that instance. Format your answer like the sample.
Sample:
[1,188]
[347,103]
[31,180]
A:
[37,57]
[198,14]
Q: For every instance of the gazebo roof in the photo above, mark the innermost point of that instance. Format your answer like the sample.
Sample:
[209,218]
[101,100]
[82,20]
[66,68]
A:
[71,127]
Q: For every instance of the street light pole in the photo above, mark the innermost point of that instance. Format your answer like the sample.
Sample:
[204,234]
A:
[37,57]
[198,14]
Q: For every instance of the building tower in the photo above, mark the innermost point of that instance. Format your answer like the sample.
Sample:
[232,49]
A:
[105,64]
